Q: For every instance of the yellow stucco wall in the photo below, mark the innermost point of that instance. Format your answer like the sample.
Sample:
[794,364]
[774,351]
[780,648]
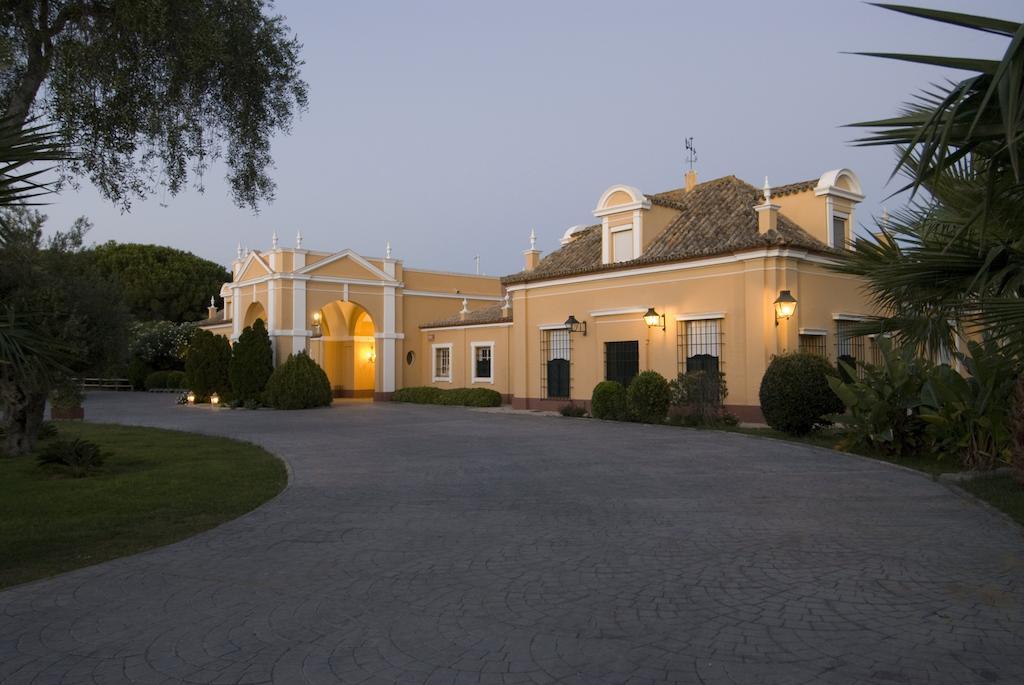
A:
[461,340]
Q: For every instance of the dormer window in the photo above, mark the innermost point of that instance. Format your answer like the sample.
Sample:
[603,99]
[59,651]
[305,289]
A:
[621,210]
[622,243]
[838,237]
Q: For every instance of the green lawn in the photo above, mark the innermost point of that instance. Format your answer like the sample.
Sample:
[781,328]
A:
[156,487]
[1002,492]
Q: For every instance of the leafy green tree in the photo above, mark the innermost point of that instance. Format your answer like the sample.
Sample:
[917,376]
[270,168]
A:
[252,363]
[206,364]
[162,283]
[56,293]
[147,90]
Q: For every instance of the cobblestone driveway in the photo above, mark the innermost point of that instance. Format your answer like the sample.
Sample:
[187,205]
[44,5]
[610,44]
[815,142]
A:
[441,545]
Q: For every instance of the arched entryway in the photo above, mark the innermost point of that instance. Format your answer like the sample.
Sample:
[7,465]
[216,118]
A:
[255,311]
[346,349]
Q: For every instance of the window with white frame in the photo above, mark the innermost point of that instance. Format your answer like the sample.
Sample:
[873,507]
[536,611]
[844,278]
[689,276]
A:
[443,363]
[839,230]
[483,357]
[622,244]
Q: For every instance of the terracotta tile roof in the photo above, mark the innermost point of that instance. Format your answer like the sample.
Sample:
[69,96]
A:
[716,217]
[474,318]
[217,320]
[791,188]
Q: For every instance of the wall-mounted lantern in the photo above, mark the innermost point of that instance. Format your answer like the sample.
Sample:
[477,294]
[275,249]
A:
[317,331]
[785,305]
[653,318]
[574,326]
[371,356]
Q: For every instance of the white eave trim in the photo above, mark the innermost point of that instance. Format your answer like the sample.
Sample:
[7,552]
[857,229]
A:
[452,296]
[346,254]
[616,312]
[839,192]
[700,317]
[503,324]
[676,266]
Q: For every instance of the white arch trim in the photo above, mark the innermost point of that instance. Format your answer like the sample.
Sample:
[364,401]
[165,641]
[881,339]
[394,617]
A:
[639,201]
[828,185]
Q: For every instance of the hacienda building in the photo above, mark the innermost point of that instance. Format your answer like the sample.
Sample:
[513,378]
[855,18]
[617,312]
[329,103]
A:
[717,275]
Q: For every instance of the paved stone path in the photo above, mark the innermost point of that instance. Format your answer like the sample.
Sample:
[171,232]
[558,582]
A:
[442,545]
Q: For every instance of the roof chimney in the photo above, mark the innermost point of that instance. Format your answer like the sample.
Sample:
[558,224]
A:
[533,254]
[691,180]
[767,213]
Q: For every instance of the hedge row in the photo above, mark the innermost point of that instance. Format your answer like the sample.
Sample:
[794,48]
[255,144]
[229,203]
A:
[166,380]
[464,397]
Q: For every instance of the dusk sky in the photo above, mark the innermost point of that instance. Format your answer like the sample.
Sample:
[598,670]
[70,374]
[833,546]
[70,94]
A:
[454,128]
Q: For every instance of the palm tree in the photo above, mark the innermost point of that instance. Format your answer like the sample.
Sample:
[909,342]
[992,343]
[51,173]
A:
[981,116]
[953,260]
[29,360]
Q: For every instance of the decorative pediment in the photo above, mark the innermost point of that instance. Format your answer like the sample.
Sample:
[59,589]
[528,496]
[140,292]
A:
[346,264]
[254,266]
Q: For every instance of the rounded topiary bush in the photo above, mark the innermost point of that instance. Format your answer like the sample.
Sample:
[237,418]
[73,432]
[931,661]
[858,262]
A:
[298,383]
[648,397]
[795,395]
[609,401]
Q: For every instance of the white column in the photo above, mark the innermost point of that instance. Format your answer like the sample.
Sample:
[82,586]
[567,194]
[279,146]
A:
[236,315]
[388,342]
[298,315]
[271,309]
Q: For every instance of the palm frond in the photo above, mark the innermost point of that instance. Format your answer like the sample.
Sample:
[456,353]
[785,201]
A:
[20,147]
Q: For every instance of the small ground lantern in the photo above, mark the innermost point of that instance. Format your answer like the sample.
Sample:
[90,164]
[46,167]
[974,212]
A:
[215,399]
[191,397]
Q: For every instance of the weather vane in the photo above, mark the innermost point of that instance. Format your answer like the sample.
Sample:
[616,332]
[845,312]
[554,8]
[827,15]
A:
[691,152]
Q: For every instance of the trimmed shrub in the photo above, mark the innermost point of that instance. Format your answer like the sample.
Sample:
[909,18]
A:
[418,395]
[298,383]
[252,362]
[156,380]
[78,456]
[138,372]
[572,409]
[795,394]
[608,401]
[206,364]
[648,397]
[176,380]
[462,397]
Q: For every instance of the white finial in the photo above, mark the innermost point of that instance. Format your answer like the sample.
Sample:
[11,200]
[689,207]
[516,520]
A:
[247,250]
[476,258]
[508,301]
[273,240]
[533,239]
[465,306]
[298,239]
[387,250]
[767,191]
[239,252]
[211,301]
